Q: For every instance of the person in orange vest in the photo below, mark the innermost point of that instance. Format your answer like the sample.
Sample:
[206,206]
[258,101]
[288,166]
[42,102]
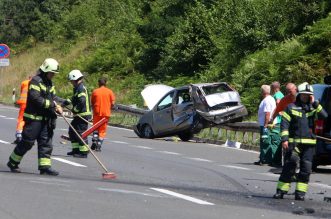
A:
[102,100]
[22,103]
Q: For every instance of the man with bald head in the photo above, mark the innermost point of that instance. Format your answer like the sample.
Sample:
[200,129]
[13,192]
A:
[291,93]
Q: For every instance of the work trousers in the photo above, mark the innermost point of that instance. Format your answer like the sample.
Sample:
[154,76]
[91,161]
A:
[42,131]
[80,126]
[20,120]
[302,153]
[102,131]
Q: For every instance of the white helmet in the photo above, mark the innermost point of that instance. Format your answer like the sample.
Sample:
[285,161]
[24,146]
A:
[50,65]
[305,88]
[75,75]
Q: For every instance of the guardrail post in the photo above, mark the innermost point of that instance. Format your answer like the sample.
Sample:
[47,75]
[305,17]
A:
[219,134]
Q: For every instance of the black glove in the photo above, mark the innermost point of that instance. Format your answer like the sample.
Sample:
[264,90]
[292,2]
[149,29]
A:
[67,102]
[315,104]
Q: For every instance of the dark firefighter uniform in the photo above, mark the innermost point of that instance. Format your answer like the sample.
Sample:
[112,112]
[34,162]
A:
[297,128]
[40,118]
[81,106]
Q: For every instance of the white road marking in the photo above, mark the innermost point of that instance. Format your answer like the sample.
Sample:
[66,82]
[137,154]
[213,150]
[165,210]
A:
[185,197]
[169,152]
[235,167]
[119,142]
[129,192]
[50,183]
[62,129]
[1,116]
[199,159]
[142,147]
[10,118]
[239,149]
[269,174]
[114,127]
[4,142]
[68,162]
[320,185]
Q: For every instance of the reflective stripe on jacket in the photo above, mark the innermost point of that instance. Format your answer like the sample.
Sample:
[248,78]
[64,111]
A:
[298,123]
[41,94]
[81,101]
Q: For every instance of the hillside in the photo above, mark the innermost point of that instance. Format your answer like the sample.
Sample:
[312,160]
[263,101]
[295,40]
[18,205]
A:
[175,42]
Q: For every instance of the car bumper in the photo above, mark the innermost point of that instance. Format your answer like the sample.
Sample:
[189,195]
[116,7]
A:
[224,115]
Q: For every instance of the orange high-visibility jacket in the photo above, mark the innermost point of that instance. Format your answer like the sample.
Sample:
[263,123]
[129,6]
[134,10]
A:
[24,92]
[102,100]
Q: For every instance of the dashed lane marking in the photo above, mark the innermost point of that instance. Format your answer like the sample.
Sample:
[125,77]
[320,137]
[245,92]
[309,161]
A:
[4,142]
[10,118]
[181,196]
[269,174]
[119,142]
[49,183]
[129,192]
[141,147]
[68,162]
[1,116]
[238,149]
[169,152]
[235,167]
[199,159]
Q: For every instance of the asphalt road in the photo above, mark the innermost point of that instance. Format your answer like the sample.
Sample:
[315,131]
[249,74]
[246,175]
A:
[155,179]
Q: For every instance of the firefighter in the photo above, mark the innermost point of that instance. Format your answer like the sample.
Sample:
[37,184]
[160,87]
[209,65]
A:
[22,103]
[299,141]
[102,99]
[40,117]
[81,106]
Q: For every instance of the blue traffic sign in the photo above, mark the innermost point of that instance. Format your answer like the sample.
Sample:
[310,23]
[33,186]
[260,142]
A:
[4,51]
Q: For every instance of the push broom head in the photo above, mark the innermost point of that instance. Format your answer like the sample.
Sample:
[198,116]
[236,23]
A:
[108,175]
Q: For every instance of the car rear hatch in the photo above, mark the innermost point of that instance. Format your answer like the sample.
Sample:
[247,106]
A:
[217,102]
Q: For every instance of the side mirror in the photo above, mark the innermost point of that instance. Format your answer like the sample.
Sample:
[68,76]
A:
[327,79]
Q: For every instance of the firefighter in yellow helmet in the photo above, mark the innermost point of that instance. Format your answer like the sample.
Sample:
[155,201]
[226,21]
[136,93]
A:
[39,117]
[298,140]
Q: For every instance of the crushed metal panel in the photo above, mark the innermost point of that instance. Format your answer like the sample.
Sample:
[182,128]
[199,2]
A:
[225,97]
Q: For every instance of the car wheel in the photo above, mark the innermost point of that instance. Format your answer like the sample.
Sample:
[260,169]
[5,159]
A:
[147,131]
[185,136]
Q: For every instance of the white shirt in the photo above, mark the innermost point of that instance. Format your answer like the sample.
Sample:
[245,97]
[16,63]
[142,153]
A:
[268,104]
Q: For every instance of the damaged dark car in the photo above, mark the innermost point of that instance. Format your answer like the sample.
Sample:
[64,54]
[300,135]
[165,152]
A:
[187,110]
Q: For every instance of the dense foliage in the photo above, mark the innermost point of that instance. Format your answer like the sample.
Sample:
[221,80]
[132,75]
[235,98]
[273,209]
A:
[136,42]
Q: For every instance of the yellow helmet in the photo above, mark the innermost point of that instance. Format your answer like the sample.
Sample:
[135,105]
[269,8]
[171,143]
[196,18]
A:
[305,88]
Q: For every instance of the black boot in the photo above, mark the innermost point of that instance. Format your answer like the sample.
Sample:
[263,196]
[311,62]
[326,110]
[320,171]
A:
[93,146]
[299,196]
[49,171]
[13,167]
[73,152]
[279,194]
[80,155]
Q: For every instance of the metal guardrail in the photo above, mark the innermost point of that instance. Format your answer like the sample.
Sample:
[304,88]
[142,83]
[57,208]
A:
[247,133]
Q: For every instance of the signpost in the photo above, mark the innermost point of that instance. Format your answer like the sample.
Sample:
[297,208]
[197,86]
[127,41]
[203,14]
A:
[4,61]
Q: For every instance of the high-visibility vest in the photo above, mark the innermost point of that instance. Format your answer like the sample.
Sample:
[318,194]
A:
[24,92]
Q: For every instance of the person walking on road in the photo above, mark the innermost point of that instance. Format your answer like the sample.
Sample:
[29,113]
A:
[22,103]
[81,108]
[266,107]
[298,140]
[40,118]
[103,99]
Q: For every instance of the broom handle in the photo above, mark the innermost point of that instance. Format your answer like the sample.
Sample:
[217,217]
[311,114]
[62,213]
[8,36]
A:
[323,138]
[79,116]
[95,156]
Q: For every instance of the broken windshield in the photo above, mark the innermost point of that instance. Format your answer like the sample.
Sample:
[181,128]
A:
[217,88]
